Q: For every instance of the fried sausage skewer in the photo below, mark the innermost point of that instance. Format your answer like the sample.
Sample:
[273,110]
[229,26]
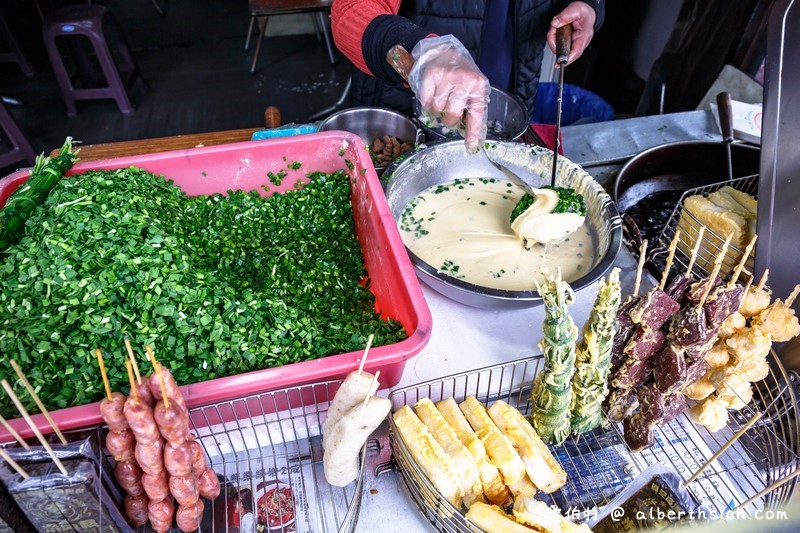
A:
[121,443]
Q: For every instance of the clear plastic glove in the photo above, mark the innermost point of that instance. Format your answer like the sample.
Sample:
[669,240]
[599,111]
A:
[450,87]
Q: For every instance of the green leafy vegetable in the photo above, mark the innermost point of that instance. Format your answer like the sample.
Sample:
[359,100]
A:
[569,201]
[45,174]
[218,285]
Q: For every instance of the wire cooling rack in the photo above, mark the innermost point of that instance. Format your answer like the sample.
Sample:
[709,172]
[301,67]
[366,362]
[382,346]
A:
[272,441]
[712,242]
[599,464]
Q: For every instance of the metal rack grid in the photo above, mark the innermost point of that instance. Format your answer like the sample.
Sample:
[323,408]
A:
[712,242]
[599,464]
[276,438]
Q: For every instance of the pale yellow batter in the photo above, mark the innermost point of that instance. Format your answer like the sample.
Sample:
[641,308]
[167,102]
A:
[463,229]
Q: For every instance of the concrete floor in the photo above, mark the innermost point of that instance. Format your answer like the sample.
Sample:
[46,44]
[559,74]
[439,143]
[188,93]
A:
[198,73]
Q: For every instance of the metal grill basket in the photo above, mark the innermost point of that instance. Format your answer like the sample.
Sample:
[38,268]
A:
[711,242]
[275,440]
[599,464]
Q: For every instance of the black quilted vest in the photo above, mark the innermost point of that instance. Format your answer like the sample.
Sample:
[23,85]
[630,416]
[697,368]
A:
[464,19]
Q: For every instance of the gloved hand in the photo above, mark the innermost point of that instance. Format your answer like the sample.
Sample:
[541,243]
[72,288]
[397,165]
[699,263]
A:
[582,17]
[449,86]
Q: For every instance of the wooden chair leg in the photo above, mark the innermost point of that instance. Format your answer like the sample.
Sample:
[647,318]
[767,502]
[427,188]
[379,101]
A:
[261,33]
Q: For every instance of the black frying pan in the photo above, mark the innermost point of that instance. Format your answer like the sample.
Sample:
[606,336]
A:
[649,185]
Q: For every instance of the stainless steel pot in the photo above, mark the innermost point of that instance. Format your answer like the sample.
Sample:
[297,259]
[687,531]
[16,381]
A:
[445,161]
[370,123]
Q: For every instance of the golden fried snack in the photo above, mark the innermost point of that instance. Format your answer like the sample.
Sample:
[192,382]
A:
[492,519]
[500,450]
[494,488]
[542,468]
[755,301]
[750,343]
[466,468]
[732,389]
[544,518]
[430,456]
[752,369]
[718,355]
[524,487]
[700,389]
[721,221]
[780,321]
[732,324]
[711,413]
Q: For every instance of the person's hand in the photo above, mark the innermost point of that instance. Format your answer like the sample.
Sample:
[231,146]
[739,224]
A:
[582,17]
[448,85]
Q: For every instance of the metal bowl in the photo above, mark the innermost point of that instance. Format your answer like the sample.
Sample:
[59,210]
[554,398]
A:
[445,161]
[370,123]
[507,119]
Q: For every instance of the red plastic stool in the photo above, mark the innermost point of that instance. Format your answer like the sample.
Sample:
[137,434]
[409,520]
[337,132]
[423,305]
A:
[21,149]
[93,39]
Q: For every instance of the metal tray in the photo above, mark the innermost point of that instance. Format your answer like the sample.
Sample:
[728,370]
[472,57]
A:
[599,464]
[276,438]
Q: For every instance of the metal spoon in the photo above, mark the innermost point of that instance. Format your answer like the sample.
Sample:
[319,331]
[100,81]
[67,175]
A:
[507,172]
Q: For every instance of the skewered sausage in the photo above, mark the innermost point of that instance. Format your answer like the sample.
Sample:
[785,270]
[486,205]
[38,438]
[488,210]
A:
[140,418]
[198,457]
[129,476]
[183,489]
[111,410]
[150,456]
[172,422]
[145,396]
[120,445]
[188,516]
[178,459]
[208,484]
[136,509]
[160,514]
[156,486]
[173,392]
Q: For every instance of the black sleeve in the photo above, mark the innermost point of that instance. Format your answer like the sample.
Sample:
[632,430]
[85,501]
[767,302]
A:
[382,33]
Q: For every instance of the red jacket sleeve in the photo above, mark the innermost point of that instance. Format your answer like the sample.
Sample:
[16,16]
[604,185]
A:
[349,20]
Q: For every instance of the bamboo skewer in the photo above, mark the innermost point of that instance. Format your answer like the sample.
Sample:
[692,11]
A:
[151,356]
[715,271]
[103,372]
[13,463]
[157,367]
[131,378]
[14,433]
[132,357]
[374,380]
[775,485]
[697,243]
[763,281]
[33,427]
[36,399]
[639,268]
[670,257]
[738,270]
[724,447]
[790,300]
[366,352]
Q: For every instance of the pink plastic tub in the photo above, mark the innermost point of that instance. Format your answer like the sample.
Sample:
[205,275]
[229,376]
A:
[245,165]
